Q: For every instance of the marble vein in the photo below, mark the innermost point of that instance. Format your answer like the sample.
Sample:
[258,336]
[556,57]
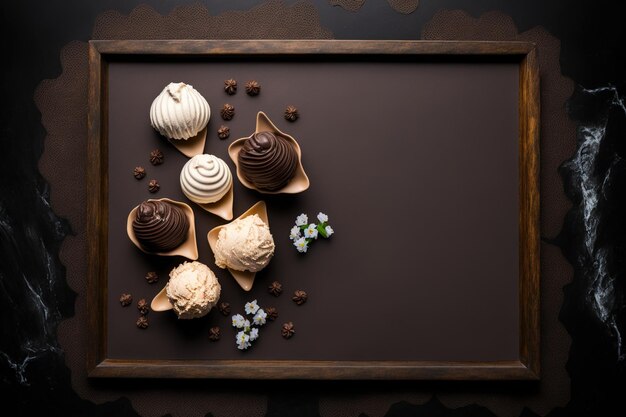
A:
[602,293]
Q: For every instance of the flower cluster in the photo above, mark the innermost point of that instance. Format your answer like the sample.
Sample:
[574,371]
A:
[303,233]
[248,333]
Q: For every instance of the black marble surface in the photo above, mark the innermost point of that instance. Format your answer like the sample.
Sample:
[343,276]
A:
[34,296]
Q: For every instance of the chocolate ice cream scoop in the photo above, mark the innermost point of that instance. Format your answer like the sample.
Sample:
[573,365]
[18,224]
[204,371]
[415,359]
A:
[268,161]
[160,226]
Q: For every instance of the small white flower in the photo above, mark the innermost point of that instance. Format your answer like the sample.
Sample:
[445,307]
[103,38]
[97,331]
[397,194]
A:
[302,220]
[242,337]
[311,231]
[301,244]
[246,325]
[243,341]
[238,321]
[254,334]
[322,217]
[251,307]
[259,318]
[295,233]
[329,231]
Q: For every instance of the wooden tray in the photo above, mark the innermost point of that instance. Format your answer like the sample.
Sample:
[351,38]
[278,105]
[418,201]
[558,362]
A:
[423,154]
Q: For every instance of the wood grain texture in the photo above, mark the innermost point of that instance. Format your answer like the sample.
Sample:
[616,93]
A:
[96,210]
[528,366]
[324,370]
[529,283]
[333,47]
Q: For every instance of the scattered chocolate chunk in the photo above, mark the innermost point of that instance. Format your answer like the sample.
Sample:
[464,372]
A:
[299,297]
[126,299]
[228,111]
[156,157]
[139,172]
[291,114]
[214,334]
[288,330]
[152,277]
[272,313]
[253,88]
[223,132]
[230,86]
[153,186]
[275,288]
[224,308]
[143,307]
[142,322]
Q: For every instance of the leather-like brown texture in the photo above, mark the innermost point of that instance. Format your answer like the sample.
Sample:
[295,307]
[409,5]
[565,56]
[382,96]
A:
[404,6]
[270,20]
[349,5]
[63,105]
[400,6]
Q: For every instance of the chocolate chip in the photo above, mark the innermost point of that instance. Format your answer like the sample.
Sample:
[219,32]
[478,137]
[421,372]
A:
[126,299]
[299,297]
[152,277]
[142,322]
[272,313]
[228,112]
[230,86]
[139,172]
[288,330]
[291,114]
[223,132]
[253,88]
[275,288]
[214,334]
[143,307]
[224,308]
[156,157]
[153,186]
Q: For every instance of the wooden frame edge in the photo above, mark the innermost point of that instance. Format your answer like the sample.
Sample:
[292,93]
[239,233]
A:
[97,199]
[315,370]
[529,255]
[269,47]
[528,368]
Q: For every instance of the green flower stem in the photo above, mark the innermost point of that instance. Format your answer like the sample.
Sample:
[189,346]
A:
[321,228]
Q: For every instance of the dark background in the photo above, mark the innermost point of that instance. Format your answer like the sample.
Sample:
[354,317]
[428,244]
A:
[32,365]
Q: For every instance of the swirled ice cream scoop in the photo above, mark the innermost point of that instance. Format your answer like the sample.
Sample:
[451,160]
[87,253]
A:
[205,179]
[193,290]
[160,226]
[268,161]
[179,112]
[244,245]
